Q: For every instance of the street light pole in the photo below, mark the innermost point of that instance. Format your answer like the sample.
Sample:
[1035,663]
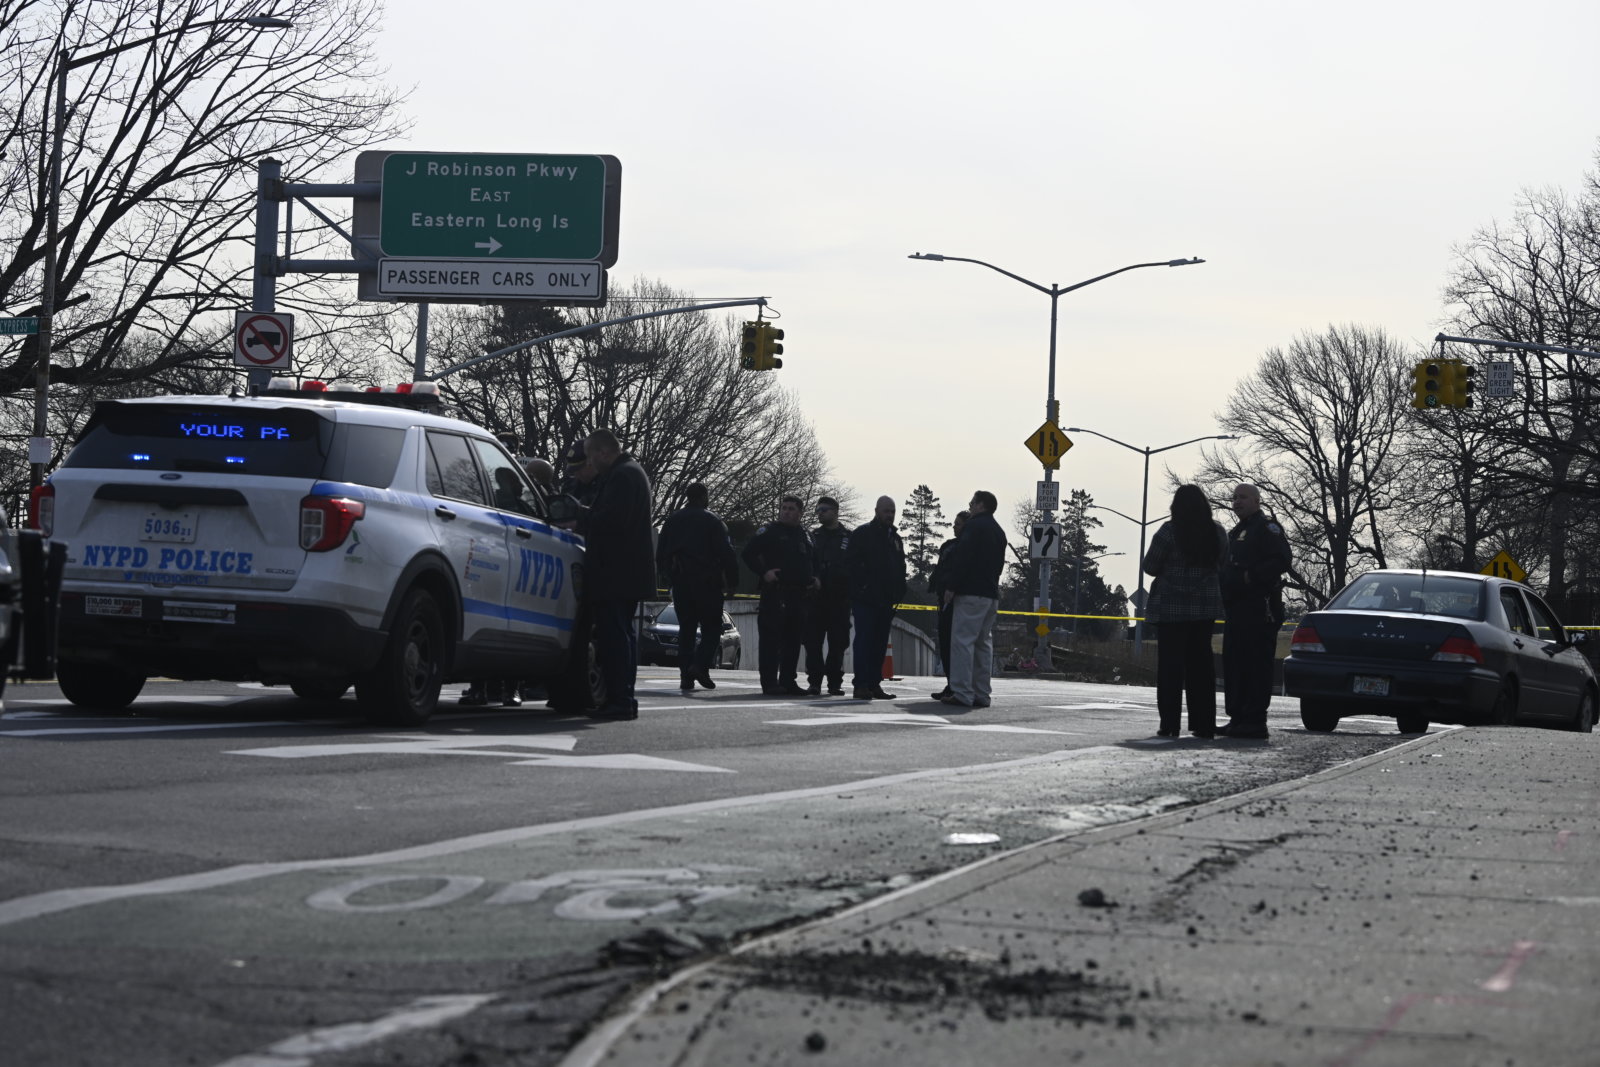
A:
[1051,411]
[39,443]
[1144,511]
[1077,587]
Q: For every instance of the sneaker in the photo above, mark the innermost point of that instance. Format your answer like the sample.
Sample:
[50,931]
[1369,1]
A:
[704,678]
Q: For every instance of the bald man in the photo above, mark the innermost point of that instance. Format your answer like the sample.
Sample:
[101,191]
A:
[877,564]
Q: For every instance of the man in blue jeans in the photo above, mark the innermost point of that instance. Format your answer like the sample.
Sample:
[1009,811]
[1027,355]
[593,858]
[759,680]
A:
[619,566]
[877,563]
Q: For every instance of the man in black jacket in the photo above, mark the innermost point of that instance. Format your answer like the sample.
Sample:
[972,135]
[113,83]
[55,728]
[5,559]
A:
[1252,600]
[619,566]
[972,589]
[697,558]
[877,561]
[828,610]
[780,554]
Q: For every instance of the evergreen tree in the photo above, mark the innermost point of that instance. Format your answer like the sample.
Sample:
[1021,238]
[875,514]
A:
[920,522]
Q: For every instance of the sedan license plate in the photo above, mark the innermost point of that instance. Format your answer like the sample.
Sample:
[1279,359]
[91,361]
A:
[1368,686]
[175,527]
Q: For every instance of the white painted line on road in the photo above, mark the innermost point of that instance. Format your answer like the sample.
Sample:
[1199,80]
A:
[927,722]
[1098,707]
[145,700]
[165,728]
[420,1014]
[21,909]
[421,746]
[1506,976]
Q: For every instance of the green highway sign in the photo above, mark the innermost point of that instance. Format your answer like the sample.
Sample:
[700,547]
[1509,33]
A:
[490,206]
[16,326]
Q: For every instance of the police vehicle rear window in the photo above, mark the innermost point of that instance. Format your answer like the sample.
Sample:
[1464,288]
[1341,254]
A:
[225,440]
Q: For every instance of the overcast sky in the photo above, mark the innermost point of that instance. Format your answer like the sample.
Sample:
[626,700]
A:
[1323,159]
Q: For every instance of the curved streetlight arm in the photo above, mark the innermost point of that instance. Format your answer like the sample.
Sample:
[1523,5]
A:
[1152,451]
[1114,511]
[1135,266]
[260,22]
[1051,290]
[962,259]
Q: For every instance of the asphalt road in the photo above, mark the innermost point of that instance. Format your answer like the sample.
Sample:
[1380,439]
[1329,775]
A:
[232,876]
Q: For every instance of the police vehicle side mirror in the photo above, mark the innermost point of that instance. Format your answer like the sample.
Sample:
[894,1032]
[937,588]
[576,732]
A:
[563,508]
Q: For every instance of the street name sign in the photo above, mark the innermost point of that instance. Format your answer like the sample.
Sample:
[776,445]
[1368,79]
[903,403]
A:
[262,340]
[26,325]
[516,279]
[1048,444]
[1503,566]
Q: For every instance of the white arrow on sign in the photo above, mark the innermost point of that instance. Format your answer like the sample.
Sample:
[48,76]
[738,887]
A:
[491,244]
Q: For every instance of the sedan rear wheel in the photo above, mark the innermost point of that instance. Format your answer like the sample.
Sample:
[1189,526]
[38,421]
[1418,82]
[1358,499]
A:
[1583,721]
[1504,712]
[1412,724]
[1318,716]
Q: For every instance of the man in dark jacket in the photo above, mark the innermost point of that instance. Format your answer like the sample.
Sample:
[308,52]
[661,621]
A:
[877,560]
[936,584]
[972,589]
[1252,598]
[619,566]
[780,554]
[828,610]
[696,557]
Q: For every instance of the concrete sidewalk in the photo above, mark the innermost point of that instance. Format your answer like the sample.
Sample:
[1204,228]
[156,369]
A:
[1438,903]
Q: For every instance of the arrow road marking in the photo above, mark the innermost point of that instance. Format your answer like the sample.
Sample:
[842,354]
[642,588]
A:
[421,1014]
[933,722]
[512,746]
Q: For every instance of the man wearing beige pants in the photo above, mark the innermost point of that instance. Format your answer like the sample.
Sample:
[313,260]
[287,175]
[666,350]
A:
[973,592]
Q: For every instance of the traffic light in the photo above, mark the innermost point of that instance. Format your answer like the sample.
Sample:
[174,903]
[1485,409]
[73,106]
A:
[770,348]
[1427,384]
[750,346]
[1459,377]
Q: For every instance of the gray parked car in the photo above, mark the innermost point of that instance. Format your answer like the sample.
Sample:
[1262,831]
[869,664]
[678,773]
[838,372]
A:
[658,643]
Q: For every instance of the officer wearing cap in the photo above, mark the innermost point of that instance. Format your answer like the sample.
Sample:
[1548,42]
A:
[1252,599]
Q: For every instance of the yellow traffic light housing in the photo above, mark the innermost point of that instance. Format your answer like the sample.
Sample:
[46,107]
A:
[770,348]
[1460,376]
[1427,383]
[750,346]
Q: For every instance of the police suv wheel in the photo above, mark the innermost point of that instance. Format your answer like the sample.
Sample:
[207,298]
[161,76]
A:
[97,686]
[403,689]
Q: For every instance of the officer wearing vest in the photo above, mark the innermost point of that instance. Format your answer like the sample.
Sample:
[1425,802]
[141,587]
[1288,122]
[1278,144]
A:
[1252,597]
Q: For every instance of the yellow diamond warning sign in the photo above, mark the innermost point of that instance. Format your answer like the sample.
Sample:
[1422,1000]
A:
[1049,444]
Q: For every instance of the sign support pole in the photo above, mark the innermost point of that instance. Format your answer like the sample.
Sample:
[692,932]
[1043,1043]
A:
[264,289]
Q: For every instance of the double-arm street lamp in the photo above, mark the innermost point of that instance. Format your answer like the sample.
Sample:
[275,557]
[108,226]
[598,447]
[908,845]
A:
[1144,511]
[65,63]
[1077,586]
[1054,292]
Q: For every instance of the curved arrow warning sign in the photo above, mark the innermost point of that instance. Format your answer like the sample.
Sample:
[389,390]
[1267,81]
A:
[262,339]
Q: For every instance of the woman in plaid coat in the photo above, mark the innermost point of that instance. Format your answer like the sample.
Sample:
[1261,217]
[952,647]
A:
[1185,558]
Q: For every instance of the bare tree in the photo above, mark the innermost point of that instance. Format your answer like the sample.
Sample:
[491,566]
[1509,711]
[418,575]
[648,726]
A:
[1324,419]
[158,175]
[671,386]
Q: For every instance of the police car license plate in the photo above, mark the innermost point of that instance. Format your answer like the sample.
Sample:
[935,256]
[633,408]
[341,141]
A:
[175,527]
[1368,686]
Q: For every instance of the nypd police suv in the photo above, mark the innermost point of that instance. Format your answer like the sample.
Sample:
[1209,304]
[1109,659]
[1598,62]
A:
[317,539]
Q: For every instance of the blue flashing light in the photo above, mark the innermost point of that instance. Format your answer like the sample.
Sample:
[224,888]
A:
[140,457]
[235,459]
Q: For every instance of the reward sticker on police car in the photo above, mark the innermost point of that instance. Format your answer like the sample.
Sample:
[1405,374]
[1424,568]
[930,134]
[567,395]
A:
[122,607]
[196,611]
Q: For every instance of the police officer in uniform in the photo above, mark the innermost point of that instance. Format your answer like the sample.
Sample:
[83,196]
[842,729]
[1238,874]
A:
[697,558]
[828,611]
[1252,598]
[780,554]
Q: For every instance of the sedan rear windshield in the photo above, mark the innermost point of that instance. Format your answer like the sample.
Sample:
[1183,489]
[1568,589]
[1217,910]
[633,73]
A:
[229,439]
[1422,594]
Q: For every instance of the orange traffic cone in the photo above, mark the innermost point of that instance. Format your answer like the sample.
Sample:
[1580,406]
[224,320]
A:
[888,662]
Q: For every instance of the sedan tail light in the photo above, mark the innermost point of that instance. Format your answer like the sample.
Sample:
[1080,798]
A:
[1305,639]
[42,509]
[325,521]
[1459,650]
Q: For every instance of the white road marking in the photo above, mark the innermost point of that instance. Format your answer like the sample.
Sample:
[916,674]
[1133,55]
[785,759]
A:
[512,746]
[144,700]
[21,909]
[165,728]
[1099,707]
[420,1014]
[928,722]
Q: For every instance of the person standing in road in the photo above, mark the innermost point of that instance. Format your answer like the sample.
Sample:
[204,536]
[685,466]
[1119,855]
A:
[1185,559]
[877,561]
[697,558]
[1252,597]
[972,589]
[620,566]
[780,554]
[936,583]
[828,610]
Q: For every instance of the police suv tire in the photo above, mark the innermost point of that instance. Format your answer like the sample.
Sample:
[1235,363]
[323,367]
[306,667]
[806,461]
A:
[403,689]
[1583,721]
[98,686]
[319,689]
[1318,716]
